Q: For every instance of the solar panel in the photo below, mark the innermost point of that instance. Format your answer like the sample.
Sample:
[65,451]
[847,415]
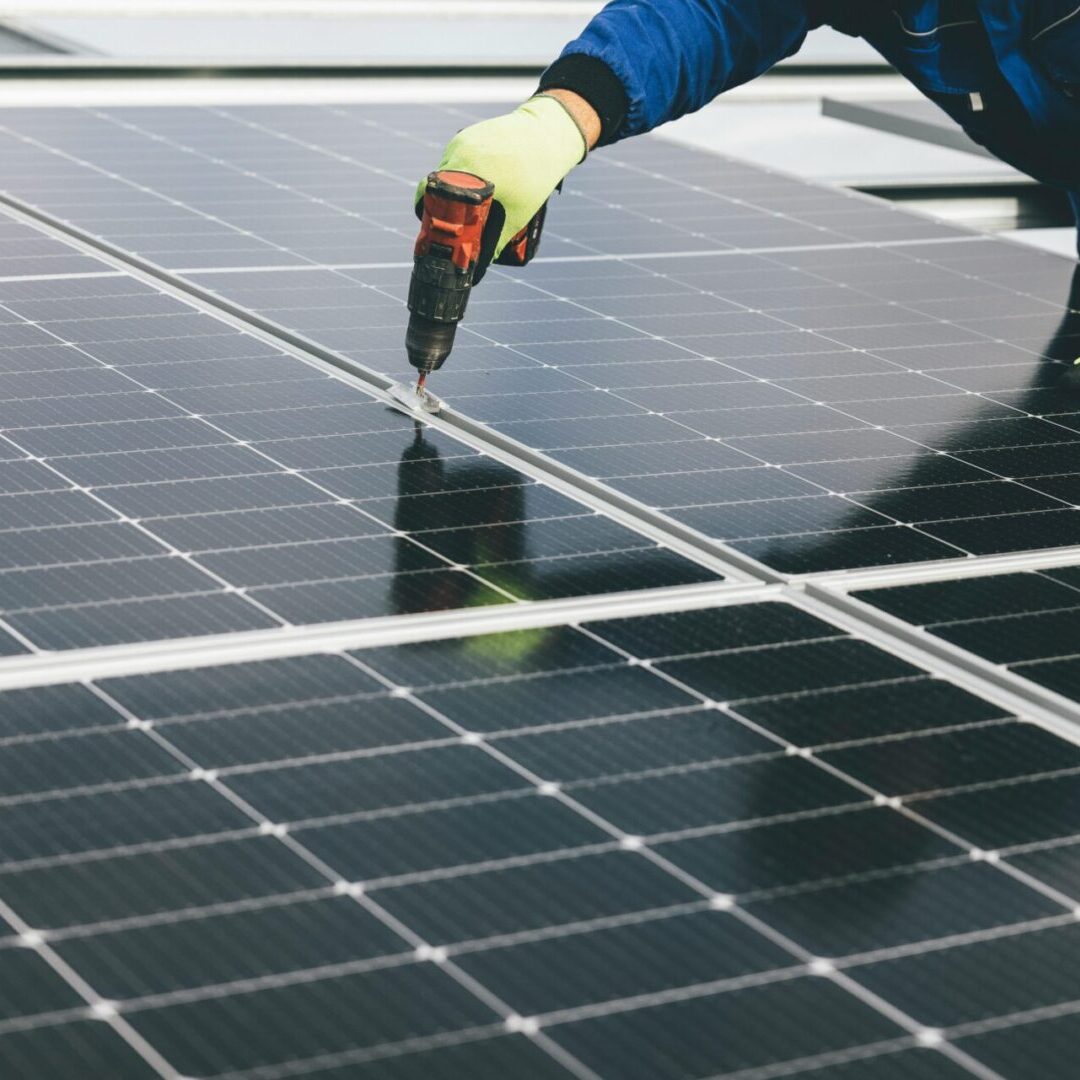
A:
[803,374]
[168,476]
[555,850]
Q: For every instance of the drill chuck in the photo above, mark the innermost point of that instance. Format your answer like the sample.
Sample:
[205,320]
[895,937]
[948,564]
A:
[428,342]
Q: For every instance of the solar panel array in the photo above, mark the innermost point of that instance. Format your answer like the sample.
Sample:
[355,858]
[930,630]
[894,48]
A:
[768,836]
[615,848]
[811,334]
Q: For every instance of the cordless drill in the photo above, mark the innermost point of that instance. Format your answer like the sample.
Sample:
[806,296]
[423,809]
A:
[456,208]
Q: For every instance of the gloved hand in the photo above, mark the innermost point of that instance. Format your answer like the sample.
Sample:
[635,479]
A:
[526,154]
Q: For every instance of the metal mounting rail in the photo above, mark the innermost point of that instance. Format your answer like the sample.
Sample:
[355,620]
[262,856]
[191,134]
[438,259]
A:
[106,661]
[885,577]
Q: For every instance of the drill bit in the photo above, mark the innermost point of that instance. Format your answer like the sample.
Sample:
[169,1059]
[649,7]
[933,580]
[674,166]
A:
[420,382]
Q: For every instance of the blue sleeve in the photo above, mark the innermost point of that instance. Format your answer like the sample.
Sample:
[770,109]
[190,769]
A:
[674,56]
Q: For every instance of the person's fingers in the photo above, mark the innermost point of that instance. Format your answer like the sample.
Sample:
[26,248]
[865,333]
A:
[490,246]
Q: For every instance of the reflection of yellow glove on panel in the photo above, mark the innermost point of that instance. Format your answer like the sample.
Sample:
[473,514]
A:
[526,154]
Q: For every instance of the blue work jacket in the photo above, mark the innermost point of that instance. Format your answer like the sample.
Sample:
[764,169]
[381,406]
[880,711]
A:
[1007,70]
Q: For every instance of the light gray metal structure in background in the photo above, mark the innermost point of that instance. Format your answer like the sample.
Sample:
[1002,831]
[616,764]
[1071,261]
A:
[436,34]
[919,119]
[16,42]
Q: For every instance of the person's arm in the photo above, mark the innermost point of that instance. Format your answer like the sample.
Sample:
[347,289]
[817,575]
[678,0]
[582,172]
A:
[636,65]
[641,63]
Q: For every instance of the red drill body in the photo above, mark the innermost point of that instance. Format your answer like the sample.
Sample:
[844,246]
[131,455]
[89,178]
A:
[456,208]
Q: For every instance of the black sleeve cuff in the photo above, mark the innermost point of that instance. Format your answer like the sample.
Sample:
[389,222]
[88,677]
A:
[597,84]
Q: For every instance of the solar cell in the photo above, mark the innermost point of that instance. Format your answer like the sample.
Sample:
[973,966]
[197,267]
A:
[689,305]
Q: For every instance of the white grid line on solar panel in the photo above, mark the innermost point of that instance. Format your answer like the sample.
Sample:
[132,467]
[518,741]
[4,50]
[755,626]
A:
[51,737]
[198,912]
[344,756]
[504,802]
[98,1008]
[573,260]
[54,739]
[945,546]
[688,992]
[554,855]
[855,988]
[555,1017]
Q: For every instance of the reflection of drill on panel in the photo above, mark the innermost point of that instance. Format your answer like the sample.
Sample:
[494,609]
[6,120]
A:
[458,232]
[482,516]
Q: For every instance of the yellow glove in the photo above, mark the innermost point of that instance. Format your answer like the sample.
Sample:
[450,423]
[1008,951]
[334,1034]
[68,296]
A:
[526,154]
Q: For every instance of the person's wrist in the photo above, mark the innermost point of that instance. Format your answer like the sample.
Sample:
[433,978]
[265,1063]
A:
[594,82]
[581,112]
